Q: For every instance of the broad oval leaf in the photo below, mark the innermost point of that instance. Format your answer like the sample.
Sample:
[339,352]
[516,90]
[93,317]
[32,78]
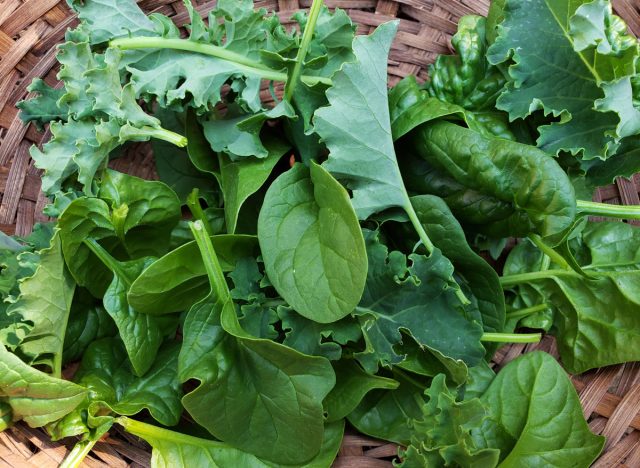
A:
[312,245]
[541,422]
[179,279]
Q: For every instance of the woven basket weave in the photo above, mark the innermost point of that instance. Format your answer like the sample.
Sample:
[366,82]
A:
[29,32]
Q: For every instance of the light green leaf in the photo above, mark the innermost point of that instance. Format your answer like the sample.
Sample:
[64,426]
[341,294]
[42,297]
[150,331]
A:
[242,178]
[179,279]
[357,130]
[44,108]
[312,245]
[45,300]
[540,423]
[33,396]
[108,19]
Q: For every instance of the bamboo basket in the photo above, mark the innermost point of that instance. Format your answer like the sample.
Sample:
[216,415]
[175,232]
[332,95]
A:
[29,32]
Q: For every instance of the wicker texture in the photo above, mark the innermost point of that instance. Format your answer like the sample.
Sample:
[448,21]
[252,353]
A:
[29,32]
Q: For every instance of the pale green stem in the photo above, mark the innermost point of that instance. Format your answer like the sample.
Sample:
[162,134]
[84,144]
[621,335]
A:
[511,337]
[146,132]
[105,257]
[209,257]
[193,203]
[522,313]
[243,63]
[147,430]
[608,211]
[78,454]
[309,30]
[523,278]
[549,252]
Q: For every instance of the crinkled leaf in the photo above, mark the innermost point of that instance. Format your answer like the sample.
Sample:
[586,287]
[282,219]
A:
[109,19]
[544,40]
[413,295]
[43,108]
[318,339]
[45,301]
[442,435]
[520,188]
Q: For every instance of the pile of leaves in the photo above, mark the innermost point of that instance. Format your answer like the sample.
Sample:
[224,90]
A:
[318,256]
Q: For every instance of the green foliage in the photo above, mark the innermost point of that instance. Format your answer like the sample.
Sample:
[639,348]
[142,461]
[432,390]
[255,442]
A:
[319,266]
[335,272]
[542,405]
[539,42]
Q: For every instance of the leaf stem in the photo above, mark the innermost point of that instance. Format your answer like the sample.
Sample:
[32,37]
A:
[78,454]
[144,430]
[549,252]
[309,30]
[511,337]
[522,313]
[193,203]
[249,66]
[146,132]
[105,257]
[521,278]
[424,237]
[607,210]
[209,257]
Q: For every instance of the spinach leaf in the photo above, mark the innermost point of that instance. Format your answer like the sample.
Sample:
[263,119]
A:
[88,322]
[386,414]
[242,178]
[176,281]
[105,371]
[448,236]
[311,243]
[593,318]
[352,385]
[541,421]
[235,403]
[35,397]
[142,334]
[527,179]
[134,216]
[173,449]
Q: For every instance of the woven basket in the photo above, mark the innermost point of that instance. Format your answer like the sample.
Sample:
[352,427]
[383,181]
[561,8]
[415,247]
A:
[29,32]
